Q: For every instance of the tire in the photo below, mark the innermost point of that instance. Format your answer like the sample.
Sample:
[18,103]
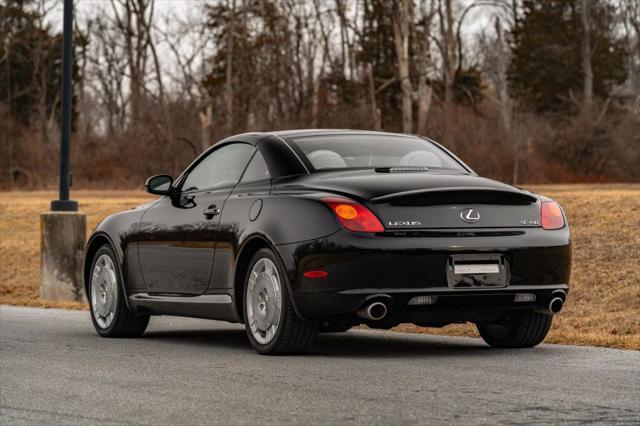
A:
[523,329]
[109,312]
[272,325]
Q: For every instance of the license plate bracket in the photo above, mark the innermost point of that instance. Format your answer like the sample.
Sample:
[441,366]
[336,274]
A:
[477,270]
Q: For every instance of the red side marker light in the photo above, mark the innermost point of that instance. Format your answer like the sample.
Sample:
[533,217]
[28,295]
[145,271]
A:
[316,274]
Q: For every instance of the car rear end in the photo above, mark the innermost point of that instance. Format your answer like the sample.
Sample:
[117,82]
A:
[423,239]
[434,257]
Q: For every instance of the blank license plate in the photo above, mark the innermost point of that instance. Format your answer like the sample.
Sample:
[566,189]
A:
[490,268]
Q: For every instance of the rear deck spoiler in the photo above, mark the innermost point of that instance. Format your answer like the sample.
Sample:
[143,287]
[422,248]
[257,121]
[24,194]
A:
[480,195]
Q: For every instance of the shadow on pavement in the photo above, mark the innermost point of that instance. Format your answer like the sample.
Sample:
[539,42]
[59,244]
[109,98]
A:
[353,343]
[394,345]
[228,339]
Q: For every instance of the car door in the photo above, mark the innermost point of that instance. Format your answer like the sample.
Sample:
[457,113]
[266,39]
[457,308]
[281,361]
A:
[179,232]
[240,217]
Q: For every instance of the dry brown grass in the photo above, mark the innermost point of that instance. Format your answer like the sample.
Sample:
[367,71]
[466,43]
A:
[604,302]
[20,237]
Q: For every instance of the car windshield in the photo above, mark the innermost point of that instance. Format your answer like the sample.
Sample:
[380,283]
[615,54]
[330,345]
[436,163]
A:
[372,151]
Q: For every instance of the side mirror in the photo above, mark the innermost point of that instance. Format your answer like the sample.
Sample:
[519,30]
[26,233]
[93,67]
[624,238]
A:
[159,185]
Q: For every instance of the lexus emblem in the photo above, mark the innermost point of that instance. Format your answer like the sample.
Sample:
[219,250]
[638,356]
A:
[470,215]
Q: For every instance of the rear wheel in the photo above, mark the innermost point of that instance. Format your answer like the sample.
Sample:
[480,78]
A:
[522,329]
[272,325]
[109,312]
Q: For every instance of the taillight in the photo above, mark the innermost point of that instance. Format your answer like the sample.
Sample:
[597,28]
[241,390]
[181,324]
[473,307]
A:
[354,216]
[551,215]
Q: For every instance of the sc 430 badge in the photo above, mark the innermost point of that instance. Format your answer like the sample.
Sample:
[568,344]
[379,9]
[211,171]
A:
[405,223]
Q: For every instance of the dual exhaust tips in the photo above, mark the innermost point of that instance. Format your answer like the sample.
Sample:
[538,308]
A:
[377,310]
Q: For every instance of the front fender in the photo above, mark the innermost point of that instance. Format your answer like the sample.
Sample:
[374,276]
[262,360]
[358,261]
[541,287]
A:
[119,230]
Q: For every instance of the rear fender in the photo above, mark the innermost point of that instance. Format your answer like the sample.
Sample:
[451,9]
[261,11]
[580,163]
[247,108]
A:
[247,250]
[290,218]
[285,218]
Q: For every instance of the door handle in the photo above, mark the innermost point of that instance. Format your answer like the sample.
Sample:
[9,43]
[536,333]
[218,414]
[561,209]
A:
[211,211]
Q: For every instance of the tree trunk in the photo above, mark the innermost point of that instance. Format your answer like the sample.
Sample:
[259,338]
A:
[401,20]
[206,121]
[425,91]
[133,19]
[587,97]
[505,103]
[315,103]
[449,62]
[516,163]
[375,112]
[424,104]
[229,66]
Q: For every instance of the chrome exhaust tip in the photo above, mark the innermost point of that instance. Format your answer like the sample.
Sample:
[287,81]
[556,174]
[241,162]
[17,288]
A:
[556,305]
[374,311]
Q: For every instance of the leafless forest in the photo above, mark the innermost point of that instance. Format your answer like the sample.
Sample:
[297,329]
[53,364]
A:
[525,91]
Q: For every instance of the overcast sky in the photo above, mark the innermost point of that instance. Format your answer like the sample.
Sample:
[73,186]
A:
[191,10]
[184,8]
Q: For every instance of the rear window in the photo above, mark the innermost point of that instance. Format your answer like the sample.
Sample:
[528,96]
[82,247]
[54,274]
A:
[371,151]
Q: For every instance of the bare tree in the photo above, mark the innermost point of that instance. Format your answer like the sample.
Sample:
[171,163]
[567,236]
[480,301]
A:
[42,64]
[497,57]
[187,41]
[106,70]
[375,111]
[402,19]
[587,95]
[404,29]
[631,23]
[425,91]
[501,60]
[229,92]
[448,49]
[133,20]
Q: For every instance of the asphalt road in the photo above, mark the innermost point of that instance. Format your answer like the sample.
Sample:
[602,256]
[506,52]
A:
[55,370]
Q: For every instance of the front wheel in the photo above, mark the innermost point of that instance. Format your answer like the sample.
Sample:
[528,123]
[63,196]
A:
[109,312]
[272,324]
[523,329]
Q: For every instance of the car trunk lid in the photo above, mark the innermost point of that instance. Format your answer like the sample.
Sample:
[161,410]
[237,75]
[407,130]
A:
[457,207]
[429,199]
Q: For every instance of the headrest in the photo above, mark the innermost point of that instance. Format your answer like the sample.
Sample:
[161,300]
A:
[420,159]
[325,159]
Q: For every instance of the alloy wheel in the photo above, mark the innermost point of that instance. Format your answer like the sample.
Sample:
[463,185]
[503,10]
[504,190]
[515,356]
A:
[104,291]
[264,300]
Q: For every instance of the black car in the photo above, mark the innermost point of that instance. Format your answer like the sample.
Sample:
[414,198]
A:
[298,232]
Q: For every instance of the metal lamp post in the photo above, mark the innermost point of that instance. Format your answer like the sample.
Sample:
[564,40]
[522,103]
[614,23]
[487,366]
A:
[64,203]
[63,230]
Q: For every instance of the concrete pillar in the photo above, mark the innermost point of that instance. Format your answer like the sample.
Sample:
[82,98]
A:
[62,241]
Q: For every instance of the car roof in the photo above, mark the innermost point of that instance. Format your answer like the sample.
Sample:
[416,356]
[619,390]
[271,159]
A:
[320,132]
[268,137]
[281,156]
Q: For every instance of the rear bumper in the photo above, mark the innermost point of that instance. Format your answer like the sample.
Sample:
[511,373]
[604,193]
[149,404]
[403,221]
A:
[364,266]
[448,306]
